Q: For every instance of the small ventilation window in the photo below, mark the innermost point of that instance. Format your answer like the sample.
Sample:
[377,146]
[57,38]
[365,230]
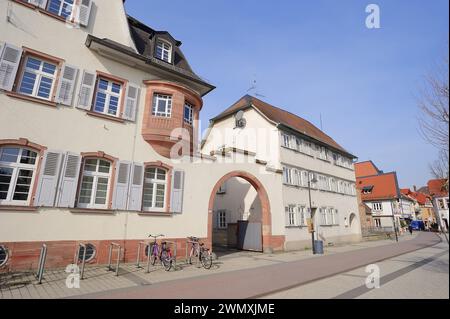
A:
[90,252]
[4,255]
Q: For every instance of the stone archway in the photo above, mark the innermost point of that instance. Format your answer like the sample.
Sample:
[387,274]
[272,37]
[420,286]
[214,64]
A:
[267,240]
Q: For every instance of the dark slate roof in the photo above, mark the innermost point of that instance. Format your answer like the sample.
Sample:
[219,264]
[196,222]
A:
[283,118]
[145,37]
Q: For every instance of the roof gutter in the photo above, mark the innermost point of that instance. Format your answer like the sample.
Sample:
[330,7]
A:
[284,126]
[90,38]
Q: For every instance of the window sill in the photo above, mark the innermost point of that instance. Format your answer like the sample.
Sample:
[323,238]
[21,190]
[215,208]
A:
[18,208]
[25,4]
[324,160]
[92,211]
[31,99]
[105,117]
[162,214]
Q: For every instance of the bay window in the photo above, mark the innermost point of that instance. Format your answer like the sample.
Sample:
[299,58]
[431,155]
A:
[95,184]
[17,172]
[155,189]
[38,78]
[162,105]
[107,98]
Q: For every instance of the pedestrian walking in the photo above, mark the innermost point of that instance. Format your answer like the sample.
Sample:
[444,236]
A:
[410,229]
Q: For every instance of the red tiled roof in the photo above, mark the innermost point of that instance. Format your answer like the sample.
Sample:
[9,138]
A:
[366,169]
[437,187]
[384,186]
[283,117]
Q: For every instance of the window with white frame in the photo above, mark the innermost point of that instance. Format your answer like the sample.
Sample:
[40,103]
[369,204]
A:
[162,105]
[222,219]
[286,140]
[297,177]
[313,179]
[164,51]
[305,178]
[302,215]
[107,97]
[17,171]
[62,8]
[298,144]
[287,175]
[188,114]
[330,216]
[155,184]
[38,78]
[307,147]
[95,184]
[333,185]
[441,203]
[322,152]
[353,189]
[290,215]
[336,217]
[377,207]
[323,216]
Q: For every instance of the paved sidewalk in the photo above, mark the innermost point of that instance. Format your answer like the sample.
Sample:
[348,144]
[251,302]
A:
[99,280]
[257,282]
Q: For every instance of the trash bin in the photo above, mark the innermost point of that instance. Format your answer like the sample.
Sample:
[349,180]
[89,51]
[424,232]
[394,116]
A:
[318,246]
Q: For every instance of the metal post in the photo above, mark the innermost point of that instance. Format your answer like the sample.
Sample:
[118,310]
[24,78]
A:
[42,259]
[83,261]
[110,256]
[118,260]
[311,214]
[149,254]
[138,260]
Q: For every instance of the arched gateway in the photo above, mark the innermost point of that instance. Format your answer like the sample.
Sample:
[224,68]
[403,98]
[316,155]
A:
[269,243]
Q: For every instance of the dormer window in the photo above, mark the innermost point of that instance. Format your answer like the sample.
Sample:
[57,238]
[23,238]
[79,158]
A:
[164,51]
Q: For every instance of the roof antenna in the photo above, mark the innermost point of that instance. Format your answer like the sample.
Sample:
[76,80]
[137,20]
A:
[321,123]
[254,88]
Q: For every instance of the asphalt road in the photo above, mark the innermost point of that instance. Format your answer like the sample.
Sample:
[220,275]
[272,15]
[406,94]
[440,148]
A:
[272,280]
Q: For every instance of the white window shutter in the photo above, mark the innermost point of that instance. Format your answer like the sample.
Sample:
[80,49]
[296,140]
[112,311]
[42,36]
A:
[86,90]
[136,187]
[176,198]
[121,185]
[48,180]
[131,102]
[66,85]
[9,64]
[84,12]
[69,181]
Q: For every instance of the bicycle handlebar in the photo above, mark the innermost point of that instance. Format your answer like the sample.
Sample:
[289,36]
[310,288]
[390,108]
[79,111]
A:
[193,238]
[156,236]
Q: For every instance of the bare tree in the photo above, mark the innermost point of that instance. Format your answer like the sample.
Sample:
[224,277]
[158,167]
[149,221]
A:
[434,117]
[439,168]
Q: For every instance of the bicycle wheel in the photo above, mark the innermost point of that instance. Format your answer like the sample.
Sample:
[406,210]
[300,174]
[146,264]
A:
[154,254]
[206,258]
[166,260]
[192,255]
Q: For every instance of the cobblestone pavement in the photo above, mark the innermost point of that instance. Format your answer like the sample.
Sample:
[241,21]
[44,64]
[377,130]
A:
[99,282]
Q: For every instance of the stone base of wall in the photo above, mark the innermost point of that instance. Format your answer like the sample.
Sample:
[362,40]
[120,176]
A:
[24,256]
[306,244]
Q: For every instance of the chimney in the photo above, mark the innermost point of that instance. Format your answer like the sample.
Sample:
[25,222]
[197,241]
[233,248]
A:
[415,188]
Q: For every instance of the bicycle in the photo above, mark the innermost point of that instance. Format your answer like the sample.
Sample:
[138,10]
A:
[198,250]
[161,252]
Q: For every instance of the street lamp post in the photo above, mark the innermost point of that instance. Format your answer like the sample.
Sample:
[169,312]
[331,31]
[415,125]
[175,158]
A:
[314,180]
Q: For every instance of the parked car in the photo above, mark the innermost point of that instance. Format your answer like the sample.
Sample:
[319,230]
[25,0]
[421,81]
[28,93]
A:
[418,225]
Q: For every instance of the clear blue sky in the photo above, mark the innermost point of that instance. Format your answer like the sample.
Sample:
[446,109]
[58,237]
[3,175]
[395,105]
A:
[317,57]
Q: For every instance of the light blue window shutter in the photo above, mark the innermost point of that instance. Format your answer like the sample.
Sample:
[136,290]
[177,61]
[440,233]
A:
[176,198]
[136,187]
[66,85]
[9,64]
[84,12]
[131,102]
[48,180]
[86,90]
[122,185]
[69,180]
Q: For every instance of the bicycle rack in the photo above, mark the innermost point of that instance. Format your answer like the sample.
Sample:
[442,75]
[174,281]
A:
[138,261]
[174,249]
[119,251]
[41,266]
[83,261]
[188,242]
